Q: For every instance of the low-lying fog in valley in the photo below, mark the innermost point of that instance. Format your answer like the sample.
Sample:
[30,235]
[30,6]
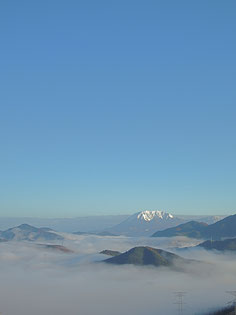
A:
[35,280]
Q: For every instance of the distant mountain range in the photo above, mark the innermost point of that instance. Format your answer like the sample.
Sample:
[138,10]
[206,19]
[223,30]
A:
[93,224]
[25,232]
[141,224]
[145,223]
[113,224]
[144,256]
[221,229]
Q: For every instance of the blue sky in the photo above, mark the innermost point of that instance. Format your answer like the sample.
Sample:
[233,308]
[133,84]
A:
[111,107]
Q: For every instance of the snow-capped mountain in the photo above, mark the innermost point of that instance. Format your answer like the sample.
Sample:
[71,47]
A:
[150,215]
[145,223]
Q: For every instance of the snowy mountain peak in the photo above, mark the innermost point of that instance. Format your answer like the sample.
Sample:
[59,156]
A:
[150,215]
[144,222]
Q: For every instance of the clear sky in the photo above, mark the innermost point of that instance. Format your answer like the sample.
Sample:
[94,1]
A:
[111,107]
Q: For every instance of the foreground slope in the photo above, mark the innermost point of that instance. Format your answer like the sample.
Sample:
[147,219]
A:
[225,311]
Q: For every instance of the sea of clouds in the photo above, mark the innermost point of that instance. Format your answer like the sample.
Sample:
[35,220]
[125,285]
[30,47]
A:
[39,281]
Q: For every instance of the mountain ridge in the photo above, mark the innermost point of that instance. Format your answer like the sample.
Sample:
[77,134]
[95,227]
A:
[221,229]
[28,232]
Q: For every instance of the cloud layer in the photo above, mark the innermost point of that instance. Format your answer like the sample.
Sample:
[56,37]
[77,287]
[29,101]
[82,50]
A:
[38,281]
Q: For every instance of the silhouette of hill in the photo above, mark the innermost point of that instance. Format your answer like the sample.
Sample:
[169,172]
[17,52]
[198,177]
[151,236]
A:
[144,256]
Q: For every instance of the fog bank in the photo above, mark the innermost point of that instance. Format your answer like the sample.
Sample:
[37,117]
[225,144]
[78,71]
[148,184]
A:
[38,281]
